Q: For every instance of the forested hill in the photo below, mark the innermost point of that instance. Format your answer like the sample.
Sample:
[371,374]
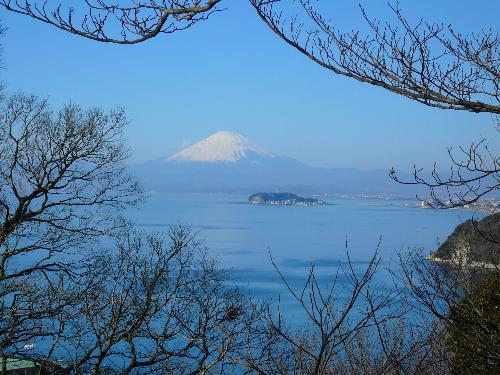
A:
[482,238]
[282,198]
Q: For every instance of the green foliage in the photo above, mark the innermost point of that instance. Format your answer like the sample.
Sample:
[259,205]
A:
[482,237]
[474,335]
[280,197]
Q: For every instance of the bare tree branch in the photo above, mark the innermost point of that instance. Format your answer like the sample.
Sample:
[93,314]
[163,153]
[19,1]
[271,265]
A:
[62,181]
[429,63]
[474,173]
[106,21]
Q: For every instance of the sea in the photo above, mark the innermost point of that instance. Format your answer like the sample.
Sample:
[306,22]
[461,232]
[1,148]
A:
[256,243]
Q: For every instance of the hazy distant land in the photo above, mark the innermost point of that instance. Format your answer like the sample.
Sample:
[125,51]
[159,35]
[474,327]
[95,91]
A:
[227,162]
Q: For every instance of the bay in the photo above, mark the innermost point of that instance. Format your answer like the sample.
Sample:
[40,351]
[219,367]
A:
[243,236]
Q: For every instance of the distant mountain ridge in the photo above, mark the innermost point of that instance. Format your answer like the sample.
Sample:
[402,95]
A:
[227,162]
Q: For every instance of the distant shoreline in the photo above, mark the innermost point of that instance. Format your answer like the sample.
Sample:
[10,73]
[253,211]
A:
[473,264]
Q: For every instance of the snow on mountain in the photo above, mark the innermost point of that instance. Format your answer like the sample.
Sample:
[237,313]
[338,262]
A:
[229,162]
[223,146]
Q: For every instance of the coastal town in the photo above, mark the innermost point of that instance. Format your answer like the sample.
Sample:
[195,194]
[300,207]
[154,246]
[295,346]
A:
[488,206]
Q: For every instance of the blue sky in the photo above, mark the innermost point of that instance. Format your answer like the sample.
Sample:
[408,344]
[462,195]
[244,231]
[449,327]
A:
[232,73]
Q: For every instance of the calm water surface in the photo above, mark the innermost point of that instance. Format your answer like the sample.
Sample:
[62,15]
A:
[242,235]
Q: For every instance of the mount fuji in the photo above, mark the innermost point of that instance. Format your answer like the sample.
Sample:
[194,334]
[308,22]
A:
[223,146]
[229,162]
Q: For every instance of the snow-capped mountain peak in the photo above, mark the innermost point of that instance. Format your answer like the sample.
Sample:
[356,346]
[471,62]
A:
[223,146]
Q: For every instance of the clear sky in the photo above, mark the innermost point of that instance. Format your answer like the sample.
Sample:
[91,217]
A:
[232,73]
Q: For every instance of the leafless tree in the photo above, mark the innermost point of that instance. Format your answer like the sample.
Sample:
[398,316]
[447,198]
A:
[446,292]
[399,346]
[352,327]
[62,182]
[430,63]
[473,174]
[124,22]
[154,307]
[142,306]
[149,308]
[29,307]
[62,186]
